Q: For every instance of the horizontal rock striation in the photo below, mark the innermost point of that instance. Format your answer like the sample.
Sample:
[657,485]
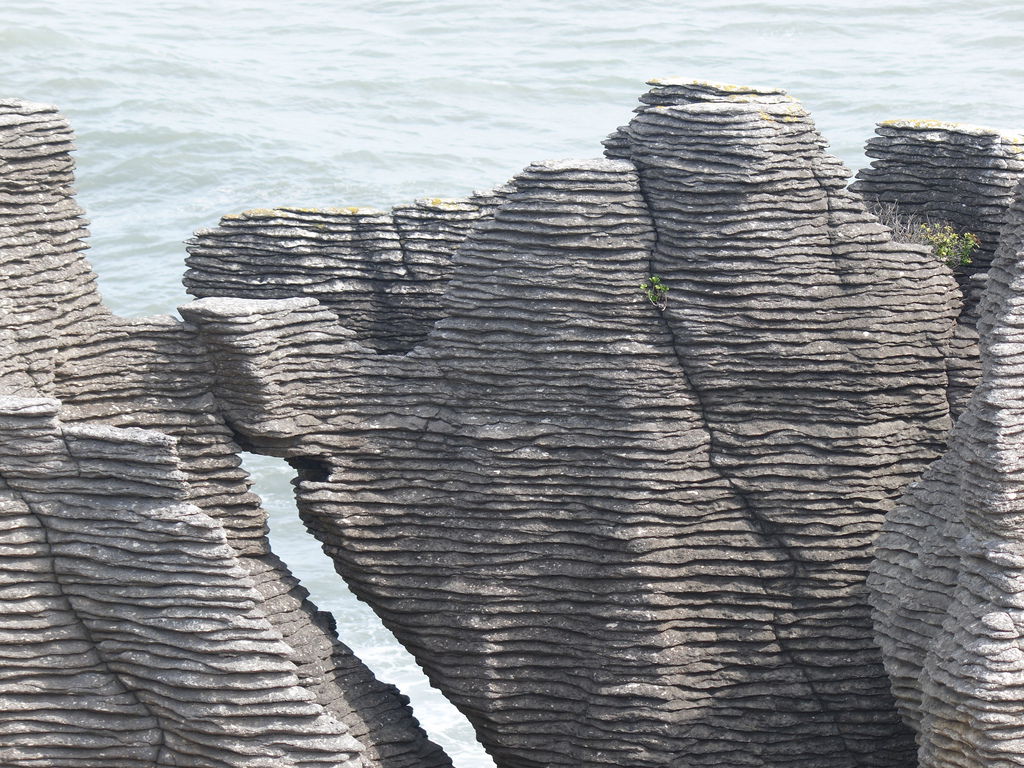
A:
[955,173]
[814,343]
[383,273]
[614,536]
[961,174]
[47,291]
[614,531]
[59,340]
[946,582]
[106,569]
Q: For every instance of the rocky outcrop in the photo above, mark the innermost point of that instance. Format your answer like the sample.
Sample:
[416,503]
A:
[382,273]
[59,341]
[611,535]
[946,582]
[963,175]
[138,636]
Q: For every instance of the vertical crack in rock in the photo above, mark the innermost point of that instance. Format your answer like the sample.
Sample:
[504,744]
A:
[53,671]
[60,341]
[961,174]
[610,538]
[784,297]
[109,500]
[767,530]
[945,586]
[539,501]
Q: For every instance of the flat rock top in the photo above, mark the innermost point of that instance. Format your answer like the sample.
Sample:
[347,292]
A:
[236,307]
[1010,135]
[723,89]
[602,164]
[19,105]
[295,213]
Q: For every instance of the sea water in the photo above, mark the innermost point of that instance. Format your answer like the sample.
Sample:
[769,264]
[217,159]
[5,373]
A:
[186,110]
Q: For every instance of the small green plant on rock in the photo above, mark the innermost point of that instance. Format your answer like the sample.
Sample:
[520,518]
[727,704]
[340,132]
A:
[656,291]
[952,247]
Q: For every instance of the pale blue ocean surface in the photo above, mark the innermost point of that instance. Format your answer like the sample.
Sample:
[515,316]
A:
[188,110]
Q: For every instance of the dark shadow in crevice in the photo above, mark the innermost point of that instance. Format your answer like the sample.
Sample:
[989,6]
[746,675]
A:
[310,469]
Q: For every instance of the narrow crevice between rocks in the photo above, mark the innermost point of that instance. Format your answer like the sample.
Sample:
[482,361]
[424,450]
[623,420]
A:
[357,625]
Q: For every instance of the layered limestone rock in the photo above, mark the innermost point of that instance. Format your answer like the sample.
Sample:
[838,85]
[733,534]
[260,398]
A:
[59,340]
[946,584]
[137,636]
[47,291]
[382,273]
[614,536]
[963,175]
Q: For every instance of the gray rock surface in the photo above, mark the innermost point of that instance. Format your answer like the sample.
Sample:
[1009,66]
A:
[382,273]
[612,535]
[133,636]
[59,341]
[954,172]
[961,174]
[946,583]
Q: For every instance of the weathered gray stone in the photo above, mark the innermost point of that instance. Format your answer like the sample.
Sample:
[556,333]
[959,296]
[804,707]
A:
[382,273]
[953,172]
[946,584]
[614,536]
[59,340]
[142,641]
[963,175]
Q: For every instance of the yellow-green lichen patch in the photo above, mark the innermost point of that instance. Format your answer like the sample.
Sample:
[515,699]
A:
[1010,137]
[446,203]
[724,88]
[295,212]
[786,112]
[253,213]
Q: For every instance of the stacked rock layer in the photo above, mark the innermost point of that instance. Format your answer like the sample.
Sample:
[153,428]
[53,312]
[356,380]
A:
[382,273]
[106,570]
[946,585]
[58,340]
[963,175]
[612,535]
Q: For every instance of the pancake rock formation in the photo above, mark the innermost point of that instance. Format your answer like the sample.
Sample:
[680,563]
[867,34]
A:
[952,172]
[616,525]
[105,569]
[613,534]
[383,273]
[946,585]
[146,622]
[963,175]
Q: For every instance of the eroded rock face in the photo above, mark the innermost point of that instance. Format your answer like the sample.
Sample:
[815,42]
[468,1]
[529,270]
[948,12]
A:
[946,584]
[58,340]
[382,273]
[614,536]
[139,637]
[960,174]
